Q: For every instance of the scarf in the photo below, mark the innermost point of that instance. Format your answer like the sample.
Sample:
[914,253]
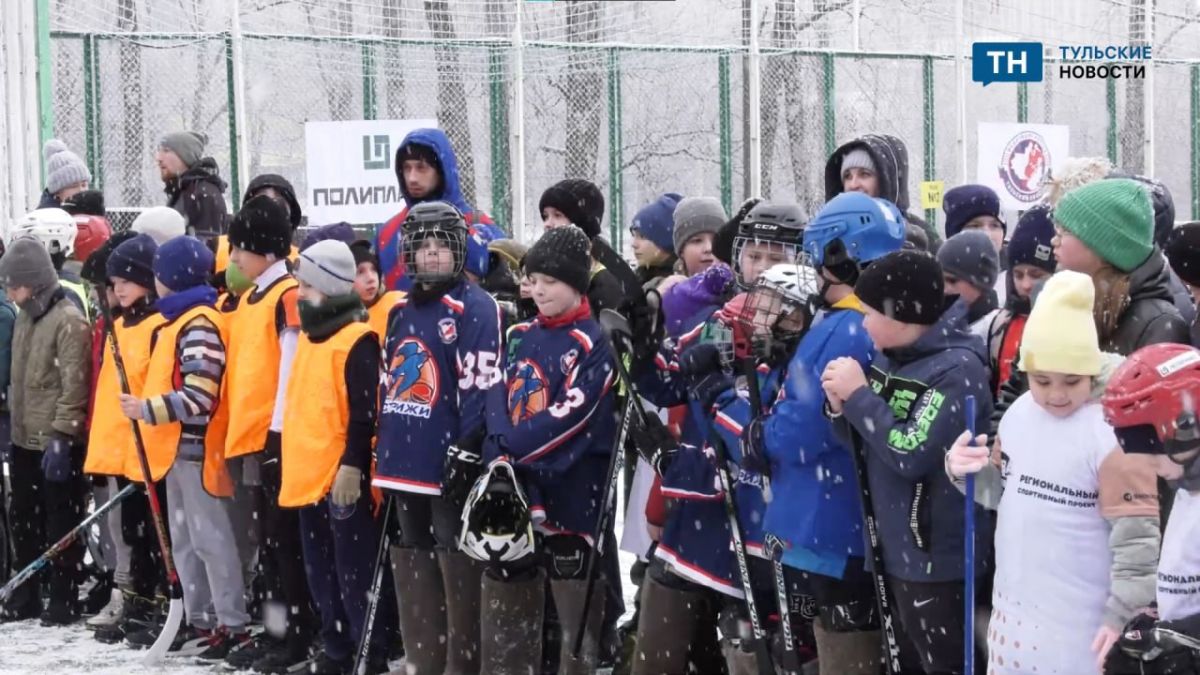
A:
[174,305]
[321,321]
[1112,299]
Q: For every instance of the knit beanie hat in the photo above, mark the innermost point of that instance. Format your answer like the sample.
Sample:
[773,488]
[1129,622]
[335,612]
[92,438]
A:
[1183,252]
[85,203]
[162,223]
[63,167]
[579,200]
[189,145]
[965,202]
[95,268]
[342,232]
[361,250]
[656,220]
[1113,217]
[182,263]
[27,263]
[1060,336]
[280,185]
[696,215]
[1030,243]
[262,227]
[858,158]
[563,253]
[328,266]
[134,261]
[970,256]
[904,285]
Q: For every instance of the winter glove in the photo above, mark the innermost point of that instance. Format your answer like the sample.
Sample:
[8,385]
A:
[754,449]
[656,444]
[701,365]
[646,324]
[462,468]
[1148,645]
[56,459]
[347,486]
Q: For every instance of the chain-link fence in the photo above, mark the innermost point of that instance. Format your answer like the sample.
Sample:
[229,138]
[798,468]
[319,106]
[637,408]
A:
[641,98]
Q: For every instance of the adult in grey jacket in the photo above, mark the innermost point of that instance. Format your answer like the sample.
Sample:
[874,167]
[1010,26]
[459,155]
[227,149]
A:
[51,360]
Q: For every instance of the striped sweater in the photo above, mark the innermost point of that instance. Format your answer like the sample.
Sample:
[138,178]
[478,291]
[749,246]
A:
[201,358]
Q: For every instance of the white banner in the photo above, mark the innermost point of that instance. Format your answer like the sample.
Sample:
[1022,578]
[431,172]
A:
[350,172]
[1015,160]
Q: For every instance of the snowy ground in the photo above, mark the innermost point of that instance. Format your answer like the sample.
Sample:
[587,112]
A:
[29,647]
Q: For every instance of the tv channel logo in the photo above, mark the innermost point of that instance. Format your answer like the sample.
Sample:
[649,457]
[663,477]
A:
[1006,62]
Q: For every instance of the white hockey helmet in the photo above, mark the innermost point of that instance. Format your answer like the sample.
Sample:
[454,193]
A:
[496,523]
[779,291]
[55,228]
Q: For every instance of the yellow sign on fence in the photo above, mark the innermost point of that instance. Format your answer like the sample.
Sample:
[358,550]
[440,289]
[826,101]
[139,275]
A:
[931,194]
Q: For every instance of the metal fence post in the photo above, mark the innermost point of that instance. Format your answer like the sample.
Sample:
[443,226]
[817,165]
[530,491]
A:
[1111,101]
[930,141]
[45,79]
[726,131]
[90,105]
[830,105]
[235,178]
[368,80]
[1195,141]
[616,214]
[1023,102]
[498,123]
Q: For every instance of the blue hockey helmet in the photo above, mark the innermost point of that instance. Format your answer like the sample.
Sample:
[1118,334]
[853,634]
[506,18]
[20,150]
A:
[853,227]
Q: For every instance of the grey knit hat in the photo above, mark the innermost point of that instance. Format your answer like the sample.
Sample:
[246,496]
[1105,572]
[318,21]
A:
[63,167]
[858,158]
[189,145]
[971,256]
[27,263]
[328,266]
[696,215]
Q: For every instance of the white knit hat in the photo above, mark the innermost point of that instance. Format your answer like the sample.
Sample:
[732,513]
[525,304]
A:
[162,223]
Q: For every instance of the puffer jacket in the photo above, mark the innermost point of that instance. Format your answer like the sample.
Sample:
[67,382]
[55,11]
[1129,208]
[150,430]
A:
[1151,317]
[51,366]
[197,195]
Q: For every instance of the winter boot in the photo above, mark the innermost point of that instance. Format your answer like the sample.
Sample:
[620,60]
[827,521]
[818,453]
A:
[463,578]
[668,618]
[856,653]
[511,624]
[420,594]
[110,613]
[569,599]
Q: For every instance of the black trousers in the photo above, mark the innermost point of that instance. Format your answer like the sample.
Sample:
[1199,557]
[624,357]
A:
[146,570]
[41,513]
[930,626]
[281,557]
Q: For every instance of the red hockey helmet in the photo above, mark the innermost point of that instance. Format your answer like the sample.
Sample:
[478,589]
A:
[1151,400]
[93,232]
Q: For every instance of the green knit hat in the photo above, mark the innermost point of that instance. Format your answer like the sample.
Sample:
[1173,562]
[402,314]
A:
[1113,217]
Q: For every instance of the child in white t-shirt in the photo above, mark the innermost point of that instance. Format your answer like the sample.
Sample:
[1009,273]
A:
[1077,530]
[1151,402]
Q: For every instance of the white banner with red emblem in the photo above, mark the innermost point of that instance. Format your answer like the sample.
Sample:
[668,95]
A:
[1016,160]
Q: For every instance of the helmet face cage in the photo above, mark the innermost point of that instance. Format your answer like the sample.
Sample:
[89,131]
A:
[753,251]
[779,293]
[496,524]
[434,253]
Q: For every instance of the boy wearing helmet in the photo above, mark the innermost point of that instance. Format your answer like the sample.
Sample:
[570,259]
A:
[56,230]
[441,356]
[1151,403]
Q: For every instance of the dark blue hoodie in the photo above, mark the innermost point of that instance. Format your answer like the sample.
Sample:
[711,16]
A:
[387,242]
[905,421]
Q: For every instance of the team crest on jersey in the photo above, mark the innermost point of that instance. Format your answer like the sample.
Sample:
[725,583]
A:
[412,380]
[527,394]
[448,330]
[568,361]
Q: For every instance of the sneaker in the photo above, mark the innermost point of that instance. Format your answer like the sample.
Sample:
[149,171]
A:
[137,614]
[110,613]
[243,656]
[283,657]
[60,614]
[145,638]
[324,664]
[221,642]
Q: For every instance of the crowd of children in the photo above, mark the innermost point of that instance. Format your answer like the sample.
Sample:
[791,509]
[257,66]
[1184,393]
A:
[441,413]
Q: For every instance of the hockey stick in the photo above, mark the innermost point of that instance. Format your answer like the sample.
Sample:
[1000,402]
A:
[969,555]
[364,640]
[62,544]
[891,647]
[6,550]
[617,329]
[162,644]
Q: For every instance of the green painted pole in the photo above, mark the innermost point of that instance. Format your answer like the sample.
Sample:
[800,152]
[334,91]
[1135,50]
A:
[1196,141]
[89,105]
[1111,100]
[97,115]
[615,212]
[368,81]
[45,78]
[930,142]
[830,106]
[726,122]
[234,177]
[1023,102]
[498,122]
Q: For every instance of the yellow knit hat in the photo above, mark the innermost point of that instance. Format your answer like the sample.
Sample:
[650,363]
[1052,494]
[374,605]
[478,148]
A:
[1060,336]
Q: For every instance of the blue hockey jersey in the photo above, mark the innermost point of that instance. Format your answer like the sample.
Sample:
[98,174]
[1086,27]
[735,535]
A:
[817,510]
[555,418]
[441,357]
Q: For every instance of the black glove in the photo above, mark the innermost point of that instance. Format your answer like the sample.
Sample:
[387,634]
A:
[1148,645]
[56,459]
[646,324]
[462,467]
[754,449]
[656,444]
[706,377]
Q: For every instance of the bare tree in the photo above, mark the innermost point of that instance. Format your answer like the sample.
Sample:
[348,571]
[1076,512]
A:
[584,89]
[452,93]
[393,70]
[1133,123]
[132,125]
